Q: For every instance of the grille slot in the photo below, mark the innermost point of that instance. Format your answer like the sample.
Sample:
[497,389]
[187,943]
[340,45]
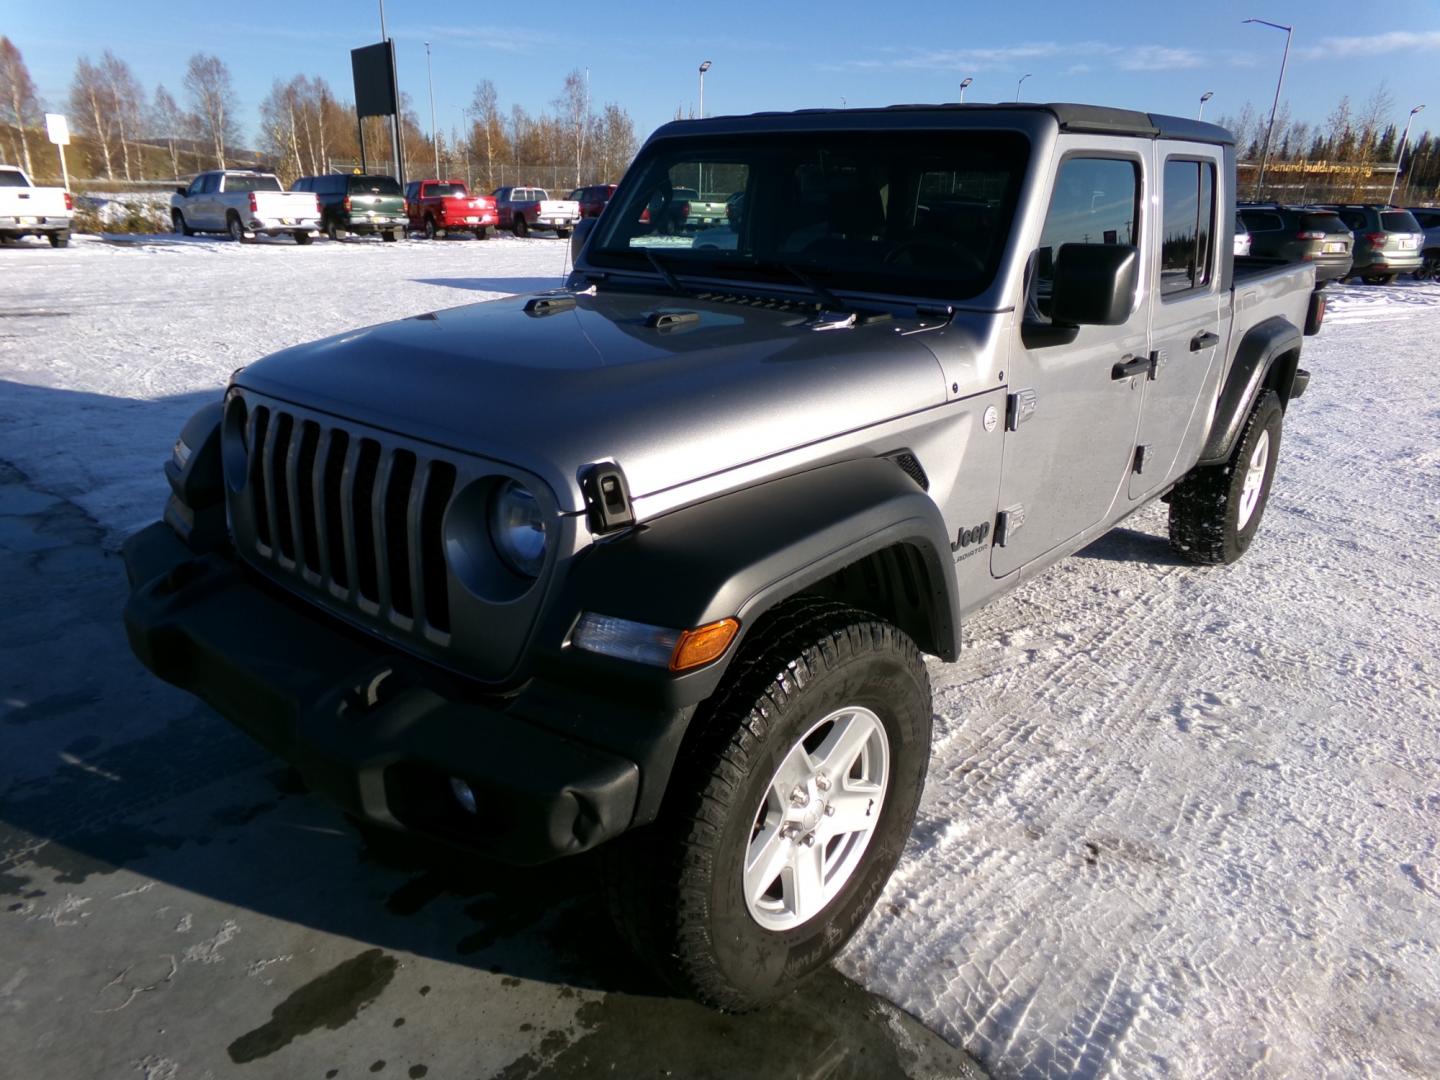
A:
[360,519]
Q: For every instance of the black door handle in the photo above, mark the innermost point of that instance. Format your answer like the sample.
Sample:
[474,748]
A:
[1204,340]
[1130,367]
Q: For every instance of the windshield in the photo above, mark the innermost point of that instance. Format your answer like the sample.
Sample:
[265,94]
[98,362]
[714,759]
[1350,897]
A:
[252,183]
[1398,221]
[374,185]
[909,213]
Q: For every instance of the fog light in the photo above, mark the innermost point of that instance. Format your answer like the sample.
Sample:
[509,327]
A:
[464,795]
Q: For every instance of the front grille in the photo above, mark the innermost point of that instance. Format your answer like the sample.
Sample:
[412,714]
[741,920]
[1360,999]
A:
[357,519]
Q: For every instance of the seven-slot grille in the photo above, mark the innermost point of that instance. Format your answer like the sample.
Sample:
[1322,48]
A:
[349,515]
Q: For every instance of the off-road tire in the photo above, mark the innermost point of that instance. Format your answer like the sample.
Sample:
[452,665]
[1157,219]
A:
[674,887]
[59,238]
[178,220]
[1205,507]
[520,226]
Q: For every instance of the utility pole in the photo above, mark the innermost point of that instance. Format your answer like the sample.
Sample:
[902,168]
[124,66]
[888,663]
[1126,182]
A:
[434,140]
[1270,128]
[396,142]
[1399,159]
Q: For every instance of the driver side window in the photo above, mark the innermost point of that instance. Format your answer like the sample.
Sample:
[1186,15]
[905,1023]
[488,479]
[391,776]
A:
[1095,201]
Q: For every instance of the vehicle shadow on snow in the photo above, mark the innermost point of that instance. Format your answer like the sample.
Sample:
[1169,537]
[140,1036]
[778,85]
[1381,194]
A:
[105,767]
[1132,546]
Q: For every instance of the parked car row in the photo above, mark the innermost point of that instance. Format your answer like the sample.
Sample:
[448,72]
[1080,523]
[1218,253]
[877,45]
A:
[1373,243]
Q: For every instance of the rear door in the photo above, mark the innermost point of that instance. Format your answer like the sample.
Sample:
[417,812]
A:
[1071,424]
[1185,321]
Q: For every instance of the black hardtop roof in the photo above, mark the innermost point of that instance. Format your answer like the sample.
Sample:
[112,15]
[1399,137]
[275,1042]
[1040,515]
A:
[1084,119]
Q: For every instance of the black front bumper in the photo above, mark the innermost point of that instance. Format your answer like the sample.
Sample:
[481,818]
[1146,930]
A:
[372,730]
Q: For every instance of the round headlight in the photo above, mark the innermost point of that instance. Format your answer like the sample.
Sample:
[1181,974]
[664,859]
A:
[517,528]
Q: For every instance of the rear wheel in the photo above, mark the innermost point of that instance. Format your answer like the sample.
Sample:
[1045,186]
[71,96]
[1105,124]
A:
[482,234]
[236,230]
[1215,510]
[393,235]
[60,238]
[787,810]
[563,234]
[1430,268]
[521,226]
[430,231]
[333,231]
[302,237]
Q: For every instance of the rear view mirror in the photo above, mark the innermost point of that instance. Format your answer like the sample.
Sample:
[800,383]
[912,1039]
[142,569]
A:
[1094,284]
[577,238]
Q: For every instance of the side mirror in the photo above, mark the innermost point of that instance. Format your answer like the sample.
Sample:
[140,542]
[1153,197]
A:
[1094,284]
[583,228]
[182,190]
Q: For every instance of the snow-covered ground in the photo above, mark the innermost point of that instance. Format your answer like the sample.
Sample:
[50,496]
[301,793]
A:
[1178,822]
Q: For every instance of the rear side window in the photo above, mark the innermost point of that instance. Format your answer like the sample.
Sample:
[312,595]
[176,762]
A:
[1096,201]
[1262,221]
[1398,221]
[1186,226]
[1354,219]
[11,178]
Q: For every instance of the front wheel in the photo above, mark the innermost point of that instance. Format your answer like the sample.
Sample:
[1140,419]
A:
[178,220]
[788,809]
[1215,510]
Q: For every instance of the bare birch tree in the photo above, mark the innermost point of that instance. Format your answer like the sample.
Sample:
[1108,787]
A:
[19,104]
[91,108]
[212,97]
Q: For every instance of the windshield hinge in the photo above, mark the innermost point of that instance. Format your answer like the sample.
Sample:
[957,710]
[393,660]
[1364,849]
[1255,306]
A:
[607,498]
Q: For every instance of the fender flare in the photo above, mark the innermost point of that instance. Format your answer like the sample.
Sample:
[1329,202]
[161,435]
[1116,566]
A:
[1267,357]
[741,554]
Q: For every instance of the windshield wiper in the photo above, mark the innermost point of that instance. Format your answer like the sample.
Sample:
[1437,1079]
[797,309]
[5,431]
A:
[665,272]
[827,299]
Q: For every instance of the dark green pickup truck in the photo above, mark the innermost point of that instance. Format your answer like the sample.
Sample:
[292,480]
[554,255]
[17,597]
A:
[357,204]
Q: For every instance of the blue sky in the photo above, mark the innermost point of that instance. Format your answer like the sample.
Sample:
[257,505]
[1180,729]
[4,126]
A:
[769,54]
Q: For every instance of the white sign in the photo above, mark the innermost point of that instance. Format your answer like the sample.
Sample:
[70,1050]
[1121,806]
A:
[58,129]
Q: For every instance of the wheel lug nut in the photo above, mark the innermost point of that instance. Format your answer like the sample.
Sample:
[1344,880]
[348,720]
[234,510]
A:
[829,811]
[799,796]
[822,782]
[809,840]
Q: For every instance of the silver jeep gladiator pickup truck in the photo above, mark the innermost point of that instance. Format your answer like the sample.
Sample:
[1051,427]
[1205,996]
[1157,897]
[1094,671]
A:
[649,563]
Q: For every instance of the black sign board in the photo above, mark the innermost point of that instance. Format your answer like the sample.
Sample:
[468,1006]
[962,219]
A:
[374,69]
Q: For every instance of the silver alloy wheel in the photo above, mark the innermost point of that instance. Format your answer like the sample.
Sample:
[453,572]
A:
[1254,479]
[817,817]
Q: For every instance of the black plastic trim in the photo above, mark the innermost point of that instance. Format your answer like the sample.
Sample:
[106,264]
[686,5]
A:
[1263,345]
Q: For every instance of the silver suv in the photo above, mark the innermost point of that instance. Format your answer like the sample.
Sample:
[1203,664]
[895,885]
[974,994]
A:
[1429,220]
[1387,242]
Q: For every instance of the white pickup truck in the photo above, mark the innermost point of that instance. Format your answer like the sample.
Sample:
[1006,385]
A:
[524,208]
[29,210]
[244,204]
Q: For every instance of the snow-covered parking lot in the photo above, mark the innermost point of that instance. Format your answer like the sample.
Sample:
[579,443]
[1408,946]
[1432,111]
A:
[1179,821]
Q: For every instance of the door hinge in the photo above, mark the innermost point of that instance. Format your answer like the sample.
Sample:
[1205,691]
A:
[1008,522]
[1019,407]
[1137,463]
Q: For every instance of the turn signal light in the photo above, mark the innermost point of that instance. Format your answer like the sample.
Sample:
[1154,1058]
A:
[703,644]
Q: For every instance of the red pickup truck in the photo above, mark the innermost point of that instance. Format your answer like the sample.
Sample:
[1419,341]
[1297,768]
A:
[437,207]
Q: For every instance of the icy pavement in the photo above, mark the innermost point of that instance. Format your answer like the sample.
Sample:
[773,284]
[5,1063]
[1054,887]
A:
[1178,822]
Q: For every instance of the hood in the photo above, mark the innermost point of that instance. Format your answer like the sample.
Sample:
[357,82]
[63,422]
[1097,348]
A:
[724,385]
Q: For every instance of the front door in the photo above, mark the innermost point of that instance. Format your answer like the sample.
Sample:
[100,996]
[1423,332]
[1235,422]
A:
[1072,422]
[1185,320]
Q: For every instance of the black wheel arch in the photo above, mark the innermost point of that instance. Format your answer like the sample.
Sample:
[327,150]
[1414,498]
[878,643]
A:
[1266,359]
[860,531]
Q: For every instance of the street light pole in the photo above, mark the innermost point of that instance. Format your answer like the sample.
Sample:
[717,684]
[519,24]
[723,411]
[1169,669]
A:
[1018,84]
[1206,96]
[963,84]
[430,79]
[704,67]
[1400,158]
[1270,129]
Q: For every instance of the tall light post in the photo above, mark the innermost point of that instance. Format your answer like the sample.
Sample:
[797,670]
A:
[1206,96]
[1018,84]
[963,84]
[704,67]
[1400,158]
[430,79]
[1270,128]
